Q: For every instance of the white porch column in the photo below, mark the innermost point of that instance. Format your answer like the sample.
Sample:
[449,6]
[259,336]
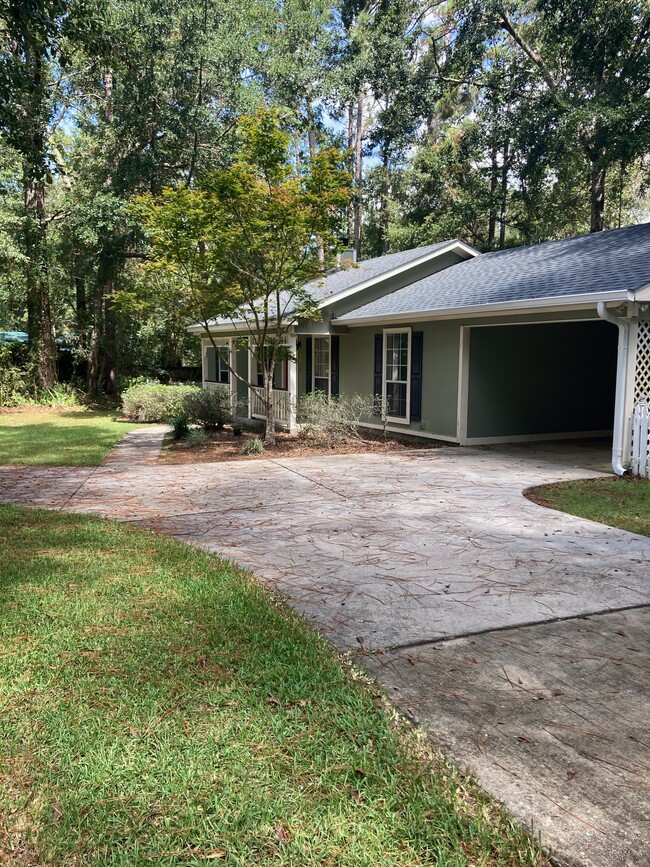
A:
[232,358]
[292,380]
[204,361]
[620,441]
[249,396]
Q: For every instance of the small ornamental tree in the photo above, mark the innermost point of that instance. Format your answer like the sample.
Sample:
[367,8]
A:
[243,243]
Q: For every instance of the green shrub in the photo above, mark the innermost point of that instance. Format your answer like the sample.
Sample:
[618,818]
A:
[254,446]
[210,408]
[198,437]
[180,427]
[61,394]
[155,402]
[17,380]
[334,421]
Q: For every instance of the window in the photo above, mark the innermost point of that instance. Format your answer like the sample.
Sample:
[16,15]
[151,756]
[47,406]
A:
[321,366]
[397,365]
[220,374]
[223,358]
[280,372]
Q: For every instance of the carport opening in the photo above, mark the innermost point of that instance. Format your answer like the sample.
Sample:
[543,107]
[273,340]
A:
[533,381]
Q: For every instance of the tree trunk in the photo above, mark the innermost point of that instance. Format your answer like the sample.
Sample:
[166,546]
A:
[269,433]
[494,181]
[351,170]
[504,194]
[39,317]
[358,175]
[109,366]
[39,313]
[313,150]
[385,215]
[92,377]
[80,300]
[598,175]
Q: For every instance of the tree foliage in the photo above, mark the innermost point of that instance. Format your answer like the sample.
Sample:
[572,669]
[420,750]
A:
[243,243]
[500,121]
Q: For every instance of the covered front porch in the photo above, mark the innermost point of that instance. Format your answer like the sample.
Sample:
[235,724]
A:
[309,364]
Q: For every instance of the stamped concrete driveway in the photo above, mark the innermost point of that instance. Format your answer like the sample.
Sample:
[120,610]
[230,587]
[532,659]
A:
[541,691]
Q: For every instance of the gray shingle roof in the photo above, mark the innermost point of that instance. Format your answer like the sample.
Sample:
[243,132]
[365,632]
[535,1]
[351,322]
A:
[370,269]
[613,261]
[353,275]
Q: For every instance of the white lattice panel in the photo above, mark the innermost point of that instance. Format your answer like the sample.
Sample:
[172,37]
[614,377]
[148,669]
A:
[641,395]
[642,368]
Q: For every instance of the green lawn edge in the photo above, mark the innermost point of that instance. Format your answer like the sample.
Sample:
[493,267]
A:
[617,502]
[69,437]
[159,706]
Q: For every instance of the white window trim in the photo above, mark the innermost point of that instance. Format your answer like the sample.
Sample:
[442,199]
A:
[223,343]
[391,418]
[316,337]
[254,364]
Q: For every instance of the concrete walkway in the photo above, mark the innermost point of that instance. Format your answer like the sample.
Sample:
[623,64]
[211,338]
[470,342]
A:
[395,553]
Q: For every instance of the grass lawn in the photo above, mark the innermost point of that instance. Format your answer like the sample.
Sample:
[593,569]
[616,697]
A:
[73,436]
[619,502]
[159,707]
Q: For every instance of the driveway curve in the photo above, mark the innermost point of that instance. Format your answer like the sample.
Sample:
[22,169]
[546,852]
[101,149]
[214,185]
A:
[377,550]
[517,635]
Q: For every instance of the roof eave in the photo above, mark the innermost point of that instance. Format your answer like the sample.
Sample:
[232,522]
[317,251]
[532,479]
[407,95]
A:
[241,326]
[467,251]
[524,305]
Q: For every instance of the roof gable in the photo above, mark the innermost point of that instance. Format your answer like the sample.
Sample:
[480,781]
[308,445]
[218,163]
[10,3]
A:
[356,277]
[372,275]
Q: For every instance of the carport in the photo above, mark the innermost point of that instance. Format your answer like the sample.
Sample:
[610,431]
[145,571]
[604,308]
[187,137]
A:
[538,380]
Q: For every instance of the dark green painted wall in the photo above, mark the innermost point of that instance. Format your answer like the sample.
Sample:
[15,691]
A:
[541,379]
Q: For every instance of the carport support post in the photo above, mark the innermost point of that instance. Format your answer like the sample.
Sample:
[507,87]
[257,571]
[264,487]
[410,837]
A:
[292,380]
[619,444]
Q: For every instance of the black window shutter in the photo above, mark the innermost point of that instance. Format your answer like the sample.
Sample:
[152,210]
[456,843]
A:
[211,364]
[308,363]
[378,378]
[334,361]
[416,376]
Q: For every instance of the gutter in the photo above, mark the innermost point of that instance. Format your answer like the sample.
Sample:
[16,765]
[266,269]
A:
[546,304]
[621,376]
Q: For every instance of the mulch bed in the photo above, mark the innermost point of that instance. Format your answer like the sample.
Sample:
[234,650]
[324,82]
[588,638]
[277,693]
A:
[224,446]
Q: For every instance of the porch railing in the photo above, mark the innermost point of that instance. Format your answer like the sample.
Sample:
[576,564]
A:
[281,404]
[640,464]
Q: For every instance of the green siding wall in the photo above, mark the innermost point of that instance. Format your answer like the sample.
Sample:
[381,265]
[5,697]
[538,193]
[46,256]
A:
[530,379]
[439,372]
[541,379]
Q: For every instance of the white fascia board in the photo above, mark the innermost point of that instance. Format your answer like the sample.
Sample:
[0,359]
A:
[538,305]
[642,294]
[459,247]
[242,328]
[198,328]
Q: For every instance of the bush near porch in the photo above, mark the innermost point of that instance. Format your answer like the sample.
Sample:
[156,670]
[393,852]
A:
[160,707]
[151,401]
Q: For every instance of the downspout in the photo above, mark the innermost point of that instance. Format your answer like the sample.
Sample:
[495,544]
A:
[621,376]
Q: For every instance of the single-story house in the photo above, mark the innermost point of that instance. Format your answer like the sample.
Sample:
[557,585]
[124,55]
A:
[549,341]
